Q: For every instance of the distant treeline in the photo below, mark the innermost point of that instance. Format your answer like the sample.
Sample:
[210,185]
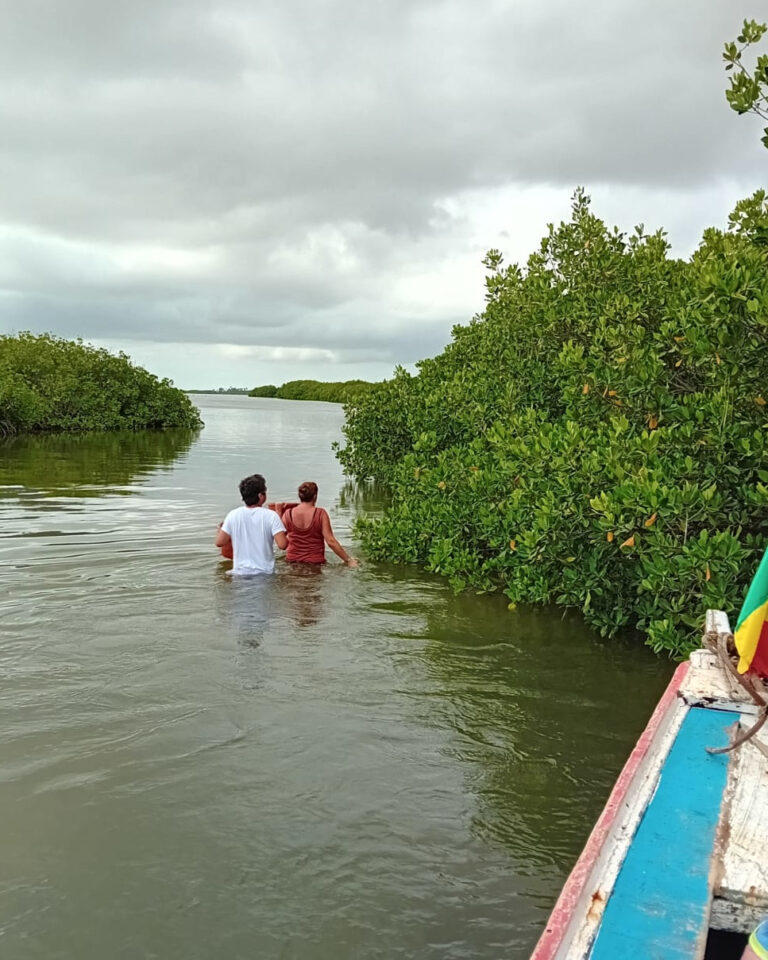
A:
[338,392]
[240,390]
[48,384]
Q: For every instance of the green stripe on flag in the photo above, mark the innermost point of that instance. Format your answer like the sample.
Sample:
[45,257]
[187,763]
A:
[757,593]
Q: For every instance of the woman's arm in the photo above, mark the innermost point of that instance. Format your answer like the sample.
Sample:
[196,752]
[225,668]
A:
[334,544]
[281,506]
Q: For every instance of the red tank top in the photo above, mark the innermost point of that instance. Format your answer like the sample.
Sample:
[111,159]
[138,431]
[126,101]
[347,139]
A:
[305,545]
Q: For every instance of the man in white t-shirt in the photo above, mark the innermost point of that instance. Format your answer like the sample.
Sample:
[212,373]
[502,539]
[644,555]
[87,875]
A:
[252,530]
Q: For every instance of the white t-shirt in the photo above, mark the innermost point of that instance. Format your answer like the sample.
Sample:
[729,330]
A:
[252,530]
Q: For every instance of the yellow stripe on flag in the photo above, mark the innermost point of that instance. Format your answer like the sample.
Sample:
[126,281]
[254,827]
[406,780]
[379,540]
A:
[748,634]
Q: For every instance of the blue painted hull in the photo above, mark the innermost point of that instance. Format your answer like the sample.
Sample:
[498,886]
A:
[659,907]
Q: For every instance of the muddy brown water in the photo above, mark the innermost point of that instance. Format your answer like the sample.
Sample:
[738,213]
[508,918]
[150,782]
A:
[319,764]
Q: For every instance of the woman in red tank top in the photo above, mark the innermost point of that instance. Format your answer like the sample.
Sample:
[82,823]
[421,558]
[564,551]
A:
[309,529]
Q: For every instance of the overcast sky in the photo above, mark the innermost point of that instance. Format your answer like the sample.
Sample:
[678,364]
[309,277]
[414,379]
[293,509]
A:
[240,192]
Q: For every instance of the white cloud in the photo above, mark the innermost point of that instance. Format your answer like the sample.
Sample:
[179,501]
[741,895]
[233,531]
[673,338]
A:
[239,351]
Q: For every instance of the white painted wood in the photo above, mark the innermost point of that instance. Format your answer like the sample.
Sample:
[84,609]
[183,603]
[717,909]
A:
[716,622]
[743,875]
[588,913]
[703,659]
[708,684]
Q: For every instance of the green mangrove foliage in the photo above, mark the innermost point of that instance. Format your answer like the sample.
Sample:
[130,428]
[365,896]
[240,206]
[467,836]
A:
[596,438]
[48,384]
[268,390]
[748,86]
[339,392]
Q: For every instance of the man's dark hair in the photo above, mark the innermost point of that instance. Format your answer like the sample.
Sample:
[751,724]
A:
[307,491]
[252,488]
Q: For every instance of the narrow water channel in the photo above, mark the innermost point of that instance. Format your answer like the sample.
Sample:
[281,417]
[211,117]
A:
[341,764]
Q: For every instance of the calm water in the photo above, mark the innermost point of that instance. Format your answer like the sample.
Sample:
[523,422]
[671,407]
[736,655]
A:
[352,764]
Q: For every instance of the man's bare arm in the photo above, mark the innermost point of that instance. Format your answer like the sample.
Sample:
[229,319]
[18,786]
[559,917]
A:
[222,538]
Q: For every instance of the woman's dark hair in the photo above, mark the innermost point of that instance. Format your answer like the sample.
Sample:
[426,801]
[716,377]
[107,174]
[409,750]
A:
[307,491]
[252,488]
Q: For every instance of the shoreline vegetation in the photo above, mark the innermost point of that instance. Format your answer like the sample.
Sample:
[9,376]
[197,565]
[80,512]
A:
[329,392]
[49,384]
[596,438]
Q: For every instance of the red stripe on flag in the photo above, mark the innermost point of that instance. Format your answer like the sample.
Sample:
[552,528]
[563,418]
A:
[759,663]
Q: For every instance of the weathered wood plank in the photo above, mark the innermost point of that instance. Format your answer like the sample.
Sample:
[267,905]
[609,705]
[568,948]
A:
[716,622]
[707,684]
[743,877]
[734,917]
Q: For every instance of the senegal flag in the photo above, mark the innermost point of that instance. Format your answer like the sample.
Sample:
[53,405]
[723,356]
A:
[752,627]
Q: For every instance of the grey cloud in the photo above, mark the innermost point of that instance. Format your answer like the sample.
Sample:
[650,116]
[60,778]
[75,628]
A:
[301,151]
[361,338]
[55,43]
[354,111]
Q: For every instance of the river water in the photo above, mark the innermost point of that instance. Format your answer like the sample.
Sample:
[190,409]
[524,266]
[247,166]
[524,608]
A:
[332,764]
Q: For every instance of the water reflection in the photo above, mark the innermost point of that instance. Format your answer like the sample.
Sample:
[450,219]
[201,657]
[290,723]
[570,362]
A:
[388,767]
[247,606]
[366,496]
[251,606]
[88,464]
[542,727]
[300,592]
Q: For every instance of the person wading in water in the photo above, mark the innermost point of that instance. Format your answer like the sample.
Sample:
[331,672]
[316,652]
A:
[309,529]
[252,530]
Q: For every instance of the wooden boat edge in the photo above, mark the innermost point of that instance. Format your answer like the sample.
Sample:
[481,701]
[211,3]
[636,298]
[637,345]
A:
[578,911]
[738,862]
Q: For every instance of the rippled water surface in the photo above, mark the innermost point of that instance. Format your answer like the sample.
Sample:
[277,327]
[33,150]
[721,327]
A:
[333,764]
